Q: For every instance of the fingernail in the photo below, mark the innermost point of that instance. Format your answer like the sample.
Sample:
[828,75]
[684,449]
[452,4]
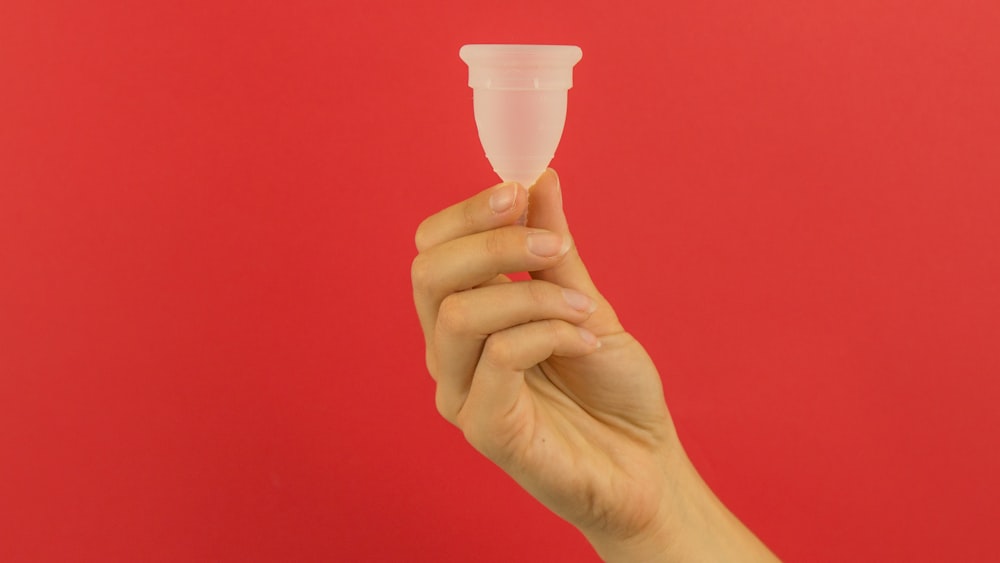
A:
[503,198]
[579,301]
[555,177]
[547,244]
[589,337]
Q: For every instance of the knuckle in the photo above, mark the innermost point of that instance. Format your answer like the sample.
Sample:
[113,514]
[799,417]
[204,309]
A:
[538,291]
[453,315]
[552,332]
[499,350]
[495,242]
[557,330]
[424,238]
[469,216]
[420,272]
[421,238]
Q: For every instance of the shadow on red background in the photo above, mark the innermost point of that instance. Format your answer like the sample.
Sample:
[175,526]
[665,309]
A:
[207,346]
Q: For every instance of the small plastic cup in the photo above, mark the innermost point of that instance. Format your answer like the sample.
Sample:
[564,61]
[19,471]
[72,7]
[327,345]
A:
[519,101]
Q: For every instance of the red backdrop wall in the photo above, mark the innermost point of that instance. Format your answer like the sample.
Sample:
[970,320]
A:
[207,346]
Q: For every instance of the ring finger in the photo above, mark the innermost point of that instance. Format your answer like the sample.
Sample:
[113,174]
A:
[466,319]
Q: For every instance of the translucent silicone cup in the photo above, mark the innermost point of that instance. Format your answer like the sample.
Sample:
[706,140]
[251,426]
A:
[519,100]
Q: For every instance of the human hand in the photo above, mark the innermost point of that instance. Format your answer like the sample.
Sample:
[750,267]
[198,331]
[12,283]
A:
[542,378]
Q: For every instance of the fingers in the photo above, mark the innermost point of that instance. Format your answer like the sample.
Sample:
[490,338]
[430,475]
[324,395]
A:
[495,207]
[466,319]
[482,331]
[477,259]
[497,388]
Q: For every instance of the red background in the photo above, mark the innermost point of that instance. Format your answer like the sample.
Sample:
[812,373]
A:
[207,346]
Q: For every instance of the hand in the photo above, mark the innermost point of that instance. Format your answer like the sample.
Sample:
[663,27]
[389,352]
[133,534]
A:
[543,379]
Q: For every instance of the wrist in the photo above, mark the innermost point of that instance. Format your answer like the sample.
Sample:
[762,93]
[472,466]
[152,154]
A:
[661,537]
[651,545]
[691,524]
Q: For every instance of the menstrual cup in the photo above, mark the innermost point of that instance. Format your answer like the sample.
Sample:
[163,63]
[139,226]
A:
[519,99]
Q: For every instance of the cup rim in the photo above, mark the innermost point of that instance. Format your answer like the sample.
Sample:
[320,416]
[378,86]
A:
[509,54]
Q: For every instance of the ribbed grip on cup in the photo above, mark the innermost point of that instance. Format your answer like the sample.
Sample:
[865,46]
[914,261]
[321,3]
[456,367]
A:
[521,67]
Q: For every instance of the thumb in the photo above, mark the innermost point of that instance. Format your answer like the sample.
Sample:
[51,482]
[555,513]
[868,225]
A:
[545,211]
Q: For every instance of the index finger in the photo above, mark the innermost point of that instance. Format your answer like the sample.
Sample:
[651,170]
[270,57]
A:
[494,207]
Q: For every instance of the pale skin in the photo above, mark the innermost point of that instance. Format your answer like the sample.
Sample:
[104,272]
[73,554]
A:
[543,379]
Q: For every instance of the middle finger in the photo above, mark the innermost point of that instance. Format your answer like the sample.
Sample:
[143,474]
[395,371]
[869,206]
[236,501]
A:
[473,260]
